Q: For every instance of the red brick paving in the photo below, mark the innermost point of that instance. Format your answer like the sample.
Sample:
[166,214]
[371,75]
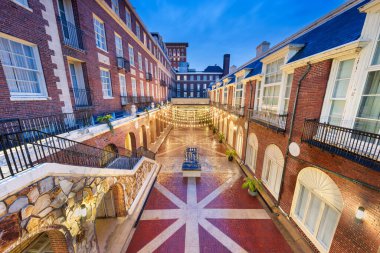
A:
[157,200]
[236,198]
[175,244]
[208,243]
[146,232]
[208,183]
[259,236]
[174,183]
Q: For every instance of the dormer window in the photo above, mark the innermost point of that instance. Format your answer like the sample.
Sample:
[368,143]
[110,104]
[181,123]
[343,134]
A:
[115,6]
[273,73]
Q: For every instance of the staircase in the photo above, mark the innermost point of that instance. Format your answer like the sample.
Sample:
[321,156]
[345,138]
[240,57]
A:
[26,149]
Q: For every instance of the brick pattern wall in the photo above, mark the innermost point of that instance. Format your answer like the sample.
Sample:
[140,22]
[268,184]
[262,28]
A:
[57,242]
[29,26]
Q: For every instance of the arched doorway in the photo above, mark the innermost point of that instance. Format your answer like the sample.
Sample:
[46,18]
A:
[130,143]
[112,204]
[45,242]
[317,206]
[143,138]
[251,152]
[239,142]
[225,127]
[272,169]
[231,129]
[110,152]
[151,129]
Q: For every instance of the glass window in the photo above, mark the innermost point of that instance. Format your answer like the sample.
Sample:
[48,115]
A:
[100,34]
[204,78]
[376,56]
[273,73]
[258,95]
[138,31]
[128,20]
[115,6]
[368,116]
[185,78]
[225,95]
[288,87]
[134,88]
[239,92]
[106,83]
[119,46]
[338,97]
[22,72]
[270,97]
[140,61]
[141,88]
[131,55]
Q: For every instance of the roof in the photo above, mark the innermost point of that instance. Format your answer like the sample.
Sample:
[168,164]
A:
[335,29]
[213,69]
[342,29]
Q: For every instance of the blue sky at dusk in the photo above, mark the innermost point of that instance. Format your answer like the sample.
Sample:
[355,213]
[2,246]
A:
[216,27]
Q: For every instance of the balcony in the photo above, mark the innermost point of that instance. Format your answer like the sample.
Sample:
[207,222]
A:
[82,98]
[122,63]
[358,146]
[148,77]
[163,83]
[268,119]
[236,110]
[124,100]
[72,35]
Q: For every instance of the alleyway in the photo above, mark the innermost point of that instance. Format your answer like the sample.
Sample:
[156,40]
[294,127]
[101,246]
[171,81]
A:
[210,214]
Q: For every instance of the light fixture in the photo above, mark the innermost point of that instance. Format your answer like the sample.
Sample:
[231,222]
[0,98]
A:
[360,213]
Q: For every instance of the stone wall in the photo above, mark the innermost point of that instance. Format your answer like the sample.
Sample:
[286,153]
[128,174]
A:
[57,203]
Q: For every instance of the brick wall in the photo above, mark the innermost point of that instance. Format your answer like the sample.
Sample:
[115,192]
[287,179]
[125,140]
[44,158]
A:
[28,26]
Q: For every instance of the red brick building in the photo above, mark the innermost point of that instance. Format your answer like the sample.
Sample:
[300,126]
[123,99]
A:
[301,120]
[73,55]
[177,52]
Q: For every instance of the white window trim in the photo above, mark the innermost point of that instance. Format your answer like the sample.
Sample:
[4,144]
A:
[106,97]
[41,77]
[105,34]
[121,41]
[132,63]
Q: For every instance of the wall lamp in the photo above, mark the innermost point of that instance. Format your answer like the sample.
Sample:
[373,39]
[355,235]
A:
[360,213]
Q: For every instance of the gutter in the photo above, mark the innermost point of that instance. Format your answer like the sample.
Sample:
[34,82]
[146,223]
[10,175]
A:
[291,129]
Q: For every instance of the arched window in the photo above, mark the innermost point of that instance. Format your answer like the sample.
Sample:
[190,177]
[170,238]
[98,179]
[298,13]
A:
[272,169]
[231,133]
[317,206]
[251,152]
[225,128]
[239,142]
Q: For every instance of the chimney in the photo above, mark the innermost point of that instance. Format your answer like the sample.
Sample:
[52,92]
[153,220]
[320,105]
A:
[262,48]
[226,64]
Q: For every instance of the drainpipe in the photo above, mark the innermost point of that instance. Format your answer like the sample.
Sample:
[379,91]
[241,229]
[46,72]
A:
[291,129]
[249,106]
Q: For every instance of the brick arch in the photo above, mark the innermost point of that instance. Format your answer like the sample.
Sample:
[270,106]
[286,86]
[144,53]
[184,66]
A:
[59,237]
[158,130]
[119,200]
[144,136]
[152,131]
[130,142]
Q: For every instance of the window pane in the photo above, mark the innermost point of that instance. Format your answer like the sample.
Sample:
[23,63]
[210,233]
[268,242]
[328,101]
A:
[327,226]
[336,111]
[345,69]
[376,57]
[301,202]
[313,212]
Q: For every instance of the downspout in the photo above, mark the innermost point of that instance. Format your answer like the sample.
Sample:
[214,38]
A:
[246,132]
[291,129]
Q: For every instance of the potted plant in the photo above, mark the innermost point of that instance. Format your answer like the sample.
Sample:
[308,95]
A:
[252,184]
[106,119]
[214,130]
[221,137]
[230,153]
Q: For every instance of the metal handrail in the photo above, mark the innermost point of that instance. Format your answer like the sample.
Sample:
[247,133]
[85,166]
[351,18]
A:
[26,149]
[351,143]
[82,97]
[269,119]
[72,35]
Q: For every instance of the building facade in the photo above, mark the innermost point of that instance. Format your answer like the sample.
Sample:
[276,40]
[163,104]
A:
[303,117]
[71,56]
[177,52]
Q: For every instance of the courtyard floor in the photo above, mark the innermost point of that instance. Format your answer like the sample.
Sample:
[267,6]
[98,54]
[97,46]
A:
[208,214]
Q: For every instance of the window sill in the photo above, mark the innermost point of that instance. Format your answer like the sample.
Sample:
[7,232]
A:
[108,97]
[19,98]
[23,6]
[101,49]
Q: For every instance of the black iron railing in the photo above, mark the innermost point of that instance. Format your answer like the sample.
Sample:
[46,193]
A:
[123,63]
[142,151]
[269,119]
[72,35]
[124,100]
[26,149]
[148,77]
[163,83]
[82,98]
[236,110]
[52,124]
[359,146]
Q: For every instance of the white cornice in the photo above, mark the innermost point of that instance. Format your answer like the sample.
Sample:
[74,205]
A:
[373,6]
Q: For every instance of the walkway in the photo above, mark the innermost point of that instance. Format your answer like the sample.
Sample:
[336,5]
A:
[210,214]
